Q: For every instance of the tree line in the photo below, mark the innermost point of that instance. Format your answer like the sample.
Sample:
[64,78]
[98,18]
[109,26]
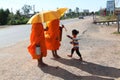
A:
[10,18]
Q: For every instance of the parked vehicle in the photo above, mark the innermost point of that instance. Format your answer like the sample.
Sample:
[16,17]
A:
[81,17]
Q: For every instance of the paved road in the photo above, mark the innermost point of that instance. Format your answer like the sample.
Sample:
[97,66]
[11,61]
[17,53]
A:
[99,48]
[13,34]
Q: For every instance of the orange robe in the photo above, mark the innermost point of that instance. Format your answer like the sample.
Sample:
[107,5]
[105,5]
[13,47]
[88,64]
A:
[53,35]
[37,38]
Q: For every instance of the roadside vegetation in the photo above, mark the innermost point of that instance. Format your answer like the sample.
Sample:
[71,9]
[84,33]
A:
[7,17]
[10,18]
[107,18]
[116,32]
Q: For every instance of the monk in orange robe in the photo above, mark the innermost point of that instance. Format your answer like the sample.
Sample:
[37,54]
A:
[37,39]
[52,38]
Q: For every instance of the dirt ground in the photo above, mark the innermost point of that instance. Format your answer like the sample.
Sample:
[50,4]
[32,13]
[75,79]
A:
[99,47]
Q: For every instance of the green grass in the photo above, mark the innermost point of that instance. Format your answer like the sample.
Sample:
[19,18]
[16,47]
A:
[116,32]
[107,18]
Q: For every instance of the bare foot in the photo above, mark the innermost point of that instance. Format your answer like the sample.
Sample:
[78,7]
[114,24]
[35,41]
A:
[58,56]
[69,55]
[81,59]
[42,64]
[53,55]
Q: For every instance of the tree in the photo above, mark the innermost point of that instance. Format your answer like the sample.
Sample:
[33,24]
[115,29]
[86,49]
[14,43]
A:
[26,9]
[18,13]
[7,11]
[70,10]
[4,16]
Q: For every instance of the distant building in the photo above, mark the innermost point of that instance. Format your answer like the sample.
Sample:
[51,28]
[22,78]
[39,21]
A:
[117,10]
[86,12]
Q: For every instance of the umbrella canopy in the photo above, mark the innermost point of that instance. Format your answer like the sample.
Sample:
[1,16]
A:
[48,15]
[35,19]
[61,11]
[43,16]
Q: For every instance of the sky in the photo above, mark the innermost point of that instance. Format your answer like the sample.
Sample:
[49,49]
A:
[92,5]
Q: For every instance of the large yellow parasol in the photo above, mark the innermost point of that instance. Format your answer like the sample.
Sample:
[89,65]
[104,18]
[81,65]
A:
[35,19]
[61,11]
[44,16]
[48,15]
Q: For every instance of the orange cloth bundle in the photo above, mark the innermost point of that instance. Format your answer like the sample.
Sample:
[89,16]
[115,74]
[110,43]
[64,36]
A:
[53,41]
[37,38]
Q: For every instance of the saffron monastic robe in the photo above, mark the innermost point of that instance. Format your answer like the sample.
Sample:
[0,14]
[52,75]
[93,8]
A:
[37,38]
[53,35]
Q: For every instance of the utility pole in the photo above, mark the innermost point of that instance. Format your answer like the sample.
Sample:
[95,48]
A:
[34,9]
[118,18]
[114,8]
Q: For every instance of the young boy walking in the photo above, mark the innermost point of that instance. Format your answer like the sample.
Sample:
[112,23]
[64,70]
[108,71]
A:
[75,43]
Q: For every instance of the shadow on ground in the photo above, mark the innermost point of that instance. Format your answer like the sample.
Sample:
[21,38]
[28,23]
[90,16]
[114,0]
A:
[92,68]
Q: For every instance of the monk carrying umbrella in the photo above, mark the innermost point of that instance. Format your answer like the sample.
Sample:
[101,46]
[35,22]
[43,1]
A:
[54,33]
[37,47]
